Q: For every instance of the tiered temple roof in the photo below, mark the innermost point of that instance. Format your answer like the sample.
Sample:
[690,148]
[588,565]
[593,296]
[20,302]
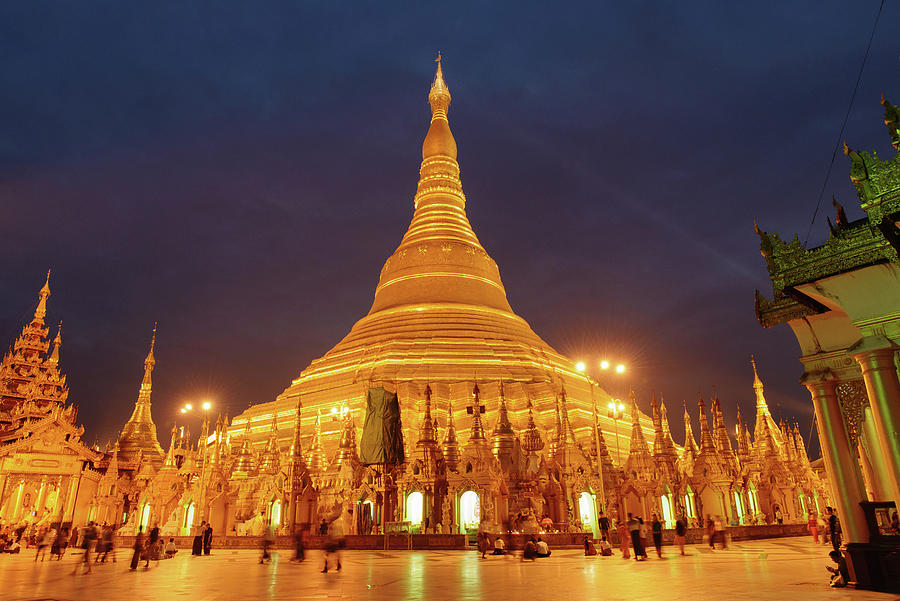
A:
[31,384]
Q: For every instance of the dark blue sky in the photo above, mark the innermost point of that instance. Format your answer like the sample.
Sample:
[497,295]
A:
[239,171]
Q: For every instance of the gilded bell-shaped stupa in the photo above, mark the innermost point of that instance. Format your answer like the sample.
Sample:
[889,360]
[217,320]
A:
[440,315]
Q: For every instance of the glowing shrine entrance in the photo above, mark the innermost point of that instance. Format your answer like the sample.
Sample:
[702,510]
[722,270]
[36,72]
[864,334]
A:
[588,513]
[469,510]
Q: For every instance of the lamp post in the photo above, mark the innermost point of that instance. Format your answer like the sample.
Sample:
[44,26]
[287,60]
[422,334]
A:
[616,411]
[205,406]
[605,366]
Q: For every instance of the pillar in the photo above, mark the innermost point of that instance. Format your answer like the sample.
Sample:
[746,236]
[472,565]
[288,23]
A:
[872,485]
[20,494]
[39,504]
[883,388]
[874,455]
[840,460]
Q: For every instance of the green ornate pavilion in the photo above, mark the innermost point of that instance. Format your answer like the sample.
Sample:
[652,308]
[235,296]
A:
[842,301]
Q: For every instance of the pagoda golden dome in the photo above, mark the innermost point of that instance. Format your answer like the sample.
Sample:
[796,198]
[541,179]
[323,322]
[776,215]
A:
[440,316]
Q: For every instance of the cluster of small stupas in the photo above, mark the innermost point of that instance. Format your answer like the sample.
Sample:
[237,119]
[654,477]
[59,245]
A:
[441,335]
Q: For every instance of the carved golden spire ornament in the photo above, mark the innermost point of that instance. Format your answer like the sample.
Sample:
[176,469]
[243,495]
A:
[41,310]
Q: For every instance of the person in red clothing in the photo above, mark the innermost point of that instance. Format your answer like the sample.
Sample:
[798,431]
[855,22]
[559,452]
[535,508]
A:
[813,524]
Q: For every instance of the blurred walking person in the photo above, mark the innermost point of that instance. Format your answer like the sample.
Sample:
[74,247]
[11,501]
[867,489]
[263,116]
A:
[88,539]
[107,541]
[634,528]
[138,548]
[268,541]
[680,532]
[656,527]
[45,539]
[624,538]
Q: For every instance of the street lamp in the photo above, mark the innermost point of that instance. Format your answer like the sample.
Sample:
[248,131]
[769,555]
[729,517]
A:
[616,411]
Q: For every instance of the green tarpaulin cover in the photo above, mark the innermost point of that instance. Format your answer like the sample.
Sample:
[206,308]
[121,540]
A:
[382,437]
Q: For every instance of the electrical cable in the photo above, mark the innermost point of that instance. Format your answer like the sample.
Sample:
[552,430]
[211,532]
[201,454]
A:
[840,137]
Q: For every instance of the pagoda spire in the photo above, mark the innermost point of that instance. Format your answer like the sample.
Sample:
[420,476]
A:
[531,438]
[112,469]
[149,364]
[476,410]
[638,442]
[346,444]
[666,444]
[139,433]
[426,432]
[244,463]
[743,442]
[57,343]
[723,441]
[439,259]
[316,461]
[271,459]
[762,407]
[707,445]
[170,456]
[451,444]
[503,437]
[655,415]
[802,455]
[568,436]
[41,310]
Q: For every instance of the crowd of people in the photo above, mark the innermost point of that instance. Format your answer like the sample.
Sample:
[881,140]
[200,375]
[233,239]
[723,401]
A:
[96,543]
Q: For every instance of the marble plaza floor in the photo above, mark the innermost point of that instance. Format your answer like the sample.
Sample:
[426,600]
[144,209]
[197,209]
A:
[789,568]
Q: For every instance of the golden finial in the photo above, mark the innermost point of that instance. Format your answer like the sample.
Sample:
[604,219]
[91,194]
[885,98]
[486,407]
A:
[41,310]
[439,95]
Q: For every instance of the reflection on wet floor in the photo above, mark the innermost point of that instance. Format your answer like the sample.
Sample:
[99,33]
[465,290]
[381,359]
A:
[772,569]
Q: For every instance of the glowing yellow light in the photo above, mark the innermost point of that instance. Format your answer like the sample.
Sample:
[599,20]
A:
[620,368]
[612,406]
[604,364]
[183,410]
[621,407]
[188,406]
[580,366]
[333,410]
[206,405]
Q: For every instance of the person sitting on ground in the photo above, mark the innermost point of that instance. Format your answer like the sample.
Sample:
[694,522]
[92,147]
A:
[171,549]
[605,548]
[499,546]
[589,548]
[839,575]
[530,550]
[543,549]
[12,546]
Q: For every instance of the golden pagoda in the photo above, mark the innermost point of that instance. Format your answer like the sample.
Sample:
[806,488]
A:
[440,317]
[31,384]
[139,432]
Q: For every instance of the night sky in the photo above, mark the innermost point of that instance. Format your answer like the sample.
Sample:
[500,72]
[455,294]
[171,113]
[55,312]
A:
[239,171]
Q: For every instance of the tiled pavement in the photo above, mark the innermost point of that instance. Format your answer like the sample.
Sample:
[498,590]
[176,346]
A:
[790,568]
